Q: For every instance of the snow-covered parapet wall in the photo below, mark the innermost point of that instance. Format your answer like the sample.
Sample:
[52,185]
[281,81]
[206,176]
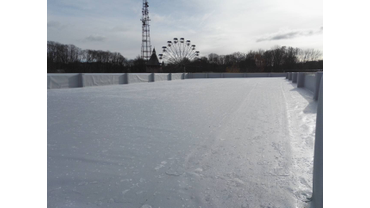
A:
[57,81]
[314,83]
[89,80]
[233,75]
[310,81]
[317,194]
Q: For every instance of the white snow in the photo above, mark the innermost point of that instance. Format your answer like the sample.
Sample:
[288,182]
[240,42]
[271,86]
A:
[241,142]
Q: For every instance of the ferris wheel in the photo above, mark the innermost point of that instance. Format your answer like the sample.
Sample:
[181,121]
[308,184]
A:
[178,50]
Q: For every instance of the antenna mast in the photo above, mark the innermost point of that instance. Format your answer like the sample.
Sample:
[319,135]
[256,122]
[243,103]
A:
[146,47]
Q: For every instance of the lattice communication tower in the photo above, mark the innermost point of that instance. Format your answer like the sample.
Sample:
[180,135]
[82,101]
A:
[146,47]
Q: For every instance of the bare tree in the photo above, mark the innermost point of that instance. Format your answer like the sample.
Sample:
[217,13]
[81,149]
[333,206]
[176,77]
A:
[278,54]
[315,55]
[309,55]
[213,58]
[73,54]
[269,59]
[238,56]
[291,57]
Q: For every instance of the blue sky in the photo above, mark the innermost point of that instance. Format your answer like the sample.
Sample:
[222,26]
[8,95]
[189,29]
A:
[215,26]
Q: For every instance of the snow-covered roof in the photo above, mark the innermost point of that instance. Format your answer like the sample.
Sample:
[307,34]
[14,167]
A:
[196,143]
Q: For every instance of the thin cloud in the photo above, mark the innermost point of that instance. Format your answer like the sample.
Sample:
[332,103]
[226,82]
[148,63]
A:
[95,38]
[289,35]
[56,26]
[119,29]
[286,36]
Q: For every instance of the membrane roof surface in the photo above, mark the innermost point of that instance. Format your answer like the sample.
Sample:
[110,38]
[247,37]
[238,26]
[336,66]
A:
[242,142]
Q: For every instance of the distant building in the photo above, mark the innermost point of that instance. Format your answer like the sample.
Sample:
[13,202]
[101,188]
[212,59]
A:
[153,65]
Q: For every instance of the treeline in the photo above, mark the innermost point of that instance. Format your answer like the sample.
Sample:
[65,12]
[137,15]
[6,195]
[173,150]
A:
[63,58]
[278,59]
